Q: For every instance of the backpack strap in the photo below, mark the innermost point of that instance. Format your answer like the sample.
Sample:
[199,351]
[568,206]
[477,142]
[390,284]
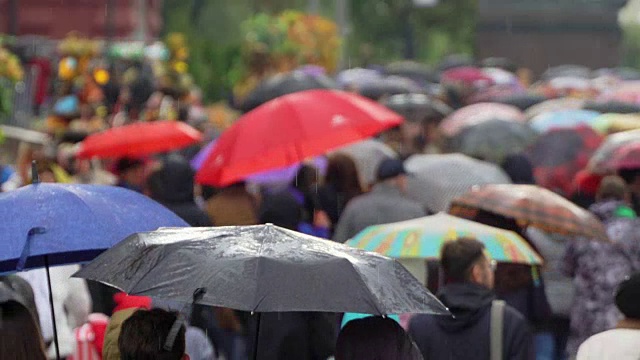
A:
[496,327]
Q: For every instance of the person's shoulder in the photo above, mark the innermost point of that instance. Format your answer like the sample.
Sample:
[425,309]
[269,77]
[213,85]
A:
[514,318]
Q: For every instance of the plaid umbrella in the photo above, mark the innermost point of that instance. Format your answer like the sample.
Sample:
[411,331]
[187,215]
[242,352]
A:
[559,154]
[422,238]
[440,178]
[493,140]
[530,205]
[478,113]
[600,160]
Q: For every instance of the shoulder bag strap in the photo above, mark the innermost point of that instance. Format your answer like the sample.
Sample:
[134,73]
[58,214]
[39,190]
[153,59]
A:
[497,321]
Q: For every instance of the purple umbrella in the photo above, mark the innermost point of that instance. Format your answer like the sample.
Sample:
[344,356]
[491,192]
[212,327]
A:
[280,175]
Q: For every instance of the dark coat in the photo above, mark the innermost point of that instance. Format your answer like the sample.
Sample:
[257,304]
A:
[294,335]
[467,336]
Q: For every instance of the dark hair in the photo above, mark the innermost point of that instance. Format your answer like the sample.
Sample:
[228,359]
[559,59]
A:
[612,188]
[20,338]
[23,290]
[143,336]
[628,297]
[342,173]
[629,175]
[375,338]
[305,177]
[457,256]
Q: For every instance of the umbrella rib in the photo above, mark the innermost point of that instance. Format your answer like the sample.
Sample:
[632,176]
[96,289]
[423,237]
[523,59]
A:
[360,279]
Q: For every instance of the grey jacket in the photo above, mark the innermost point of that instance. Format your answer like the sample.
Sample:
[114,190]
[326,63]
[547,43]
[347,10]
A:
[384,204]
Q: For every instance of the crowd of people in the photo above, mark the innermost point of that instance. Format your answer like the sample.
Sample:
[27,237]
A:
[584,303]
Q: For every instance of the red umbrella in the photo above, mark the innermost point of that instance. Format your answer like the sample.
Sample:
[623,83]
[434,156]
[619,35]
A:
[139,139]
[290,129]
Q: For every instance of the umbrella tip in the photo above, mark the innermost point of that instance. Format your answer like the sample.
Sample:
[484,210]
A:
[35,178]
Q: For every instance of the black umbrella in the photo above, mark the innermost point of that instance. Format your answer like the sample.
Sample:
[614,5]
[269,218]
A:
[521,101]
[283,84]
[612,107]
[412,70]
[417,107]
[454,61]
[391,85]
[262,268]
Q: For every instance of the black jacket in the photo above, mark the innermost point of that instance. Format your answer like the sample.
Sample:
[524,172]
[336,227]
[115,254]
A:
[467,334]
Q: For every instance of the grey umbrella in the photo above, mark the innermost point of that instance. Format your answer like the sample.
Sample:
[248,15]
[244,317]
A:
[438,179]
[262,268]
[367,155]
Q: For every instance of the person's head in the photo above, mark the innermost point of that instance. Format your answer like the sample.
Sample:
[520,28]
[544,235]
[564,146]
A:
[392,171]
[281,209]
[465,260]
[519,169]
[20,338]
[375,338]
[306,178]
[632,178]
[628,297]
[172,181]
[613,188]
[131,171]
[19,288]
[144,335]
[343,174]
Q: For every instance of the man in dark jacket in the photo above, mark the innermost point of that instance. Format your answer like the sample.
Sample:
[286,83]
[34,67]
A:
[468,295]
[172,186]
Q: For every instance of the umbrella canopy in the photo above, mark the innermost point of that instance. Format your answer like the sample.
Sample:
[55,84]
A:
[20,134]
[391,85]
[559,154]
[368,155]
[600,160]
[530,205]
[438,179]
[139,139]
[522,101]
[290,129]
[563,119]
[71,223]
[283,84]
[500,63]
[614,123]
[262,268]
[417,107]
[467,75]
[615,107]
[412,70]
[357,77]
[423,238]
[555,105]
[493,140]
[568,70]
[281,175]
[478,113]
[626,157]
[626,92]
[494,92]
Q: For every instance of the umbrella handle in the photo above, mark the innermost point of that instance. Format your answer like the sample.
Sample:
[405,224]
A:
[255,351]
[53,312]
[35,177]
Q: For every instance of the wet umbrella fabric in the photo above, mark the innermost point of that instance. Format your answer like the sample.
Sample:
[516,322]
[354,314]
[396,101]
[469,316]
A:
[417,107]
[438,179]
[261,268]
[283,84]
[521,101]
[615,107]
[391,85]
[530,205]
[559,154]
[563,119]
[552,105]
[479,113]
[493,140]
[367,155]
[600,160]
[71,224]
[291,129]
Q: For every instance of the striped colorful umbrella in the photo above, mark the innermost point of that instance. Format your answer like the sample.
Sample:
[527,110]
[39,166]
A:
[423,238]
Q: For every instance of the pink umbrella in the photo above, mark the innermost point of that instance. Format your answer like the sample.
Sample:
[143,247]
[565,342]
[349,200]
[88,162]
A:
[467,75]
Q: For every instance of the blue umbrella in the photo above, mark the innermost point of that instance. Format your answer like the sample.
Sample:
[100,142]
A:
[56,224]
[66,224]
[563,119]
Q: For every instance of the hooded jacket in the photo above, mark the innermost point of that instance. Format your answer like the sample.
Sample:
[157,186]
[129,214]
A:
[172,186]
[466,334]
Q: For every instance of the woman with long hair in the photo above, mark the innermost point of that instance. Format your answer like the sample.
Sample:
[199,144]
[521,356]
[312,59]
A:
[342,183]
[20,338]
